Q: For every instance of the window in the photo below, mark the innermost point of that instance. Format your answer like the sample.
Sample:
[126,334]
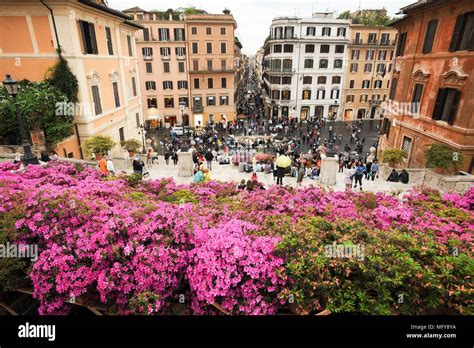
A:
[223,47]
[147,52]
[381,69]
[306,95]
[355,54]
[406,144]
[339,48]
[121,134]
[208,31]
[223,82]
[289,32]
[183,84]
[179,34]
[195,64]
[163,34]
[367,67]
[275,80]
[210,83]
[334,94]
[223,100]
[321,80]
[323,63]
[401,44]
[366,84]
[209,64]
[336,80]
[429,36]
[134,86]
[350,98]
[364,98]
[337,63]
[181,67]
[357,39]
[180,51]
[89,41]
[324,49]
[341,31]
[309,49]
[146,34]
[417,91]
[372,38]
[391,54]
[222,30]
[165,51]
[320,94]
[184,100]
[150,85]
[277,48]
[287,64]
[96,99]
[211,101]
[196,83]
[275,94]
[194,31]
[195,47]
[209,47]
[390,67]
[166,67]
[385,129]
[311,31]
[446,105]
[307,80]
[326,31]
[463,34]
[169,102]
[393,89]
[167,84]
[152,103]
[288,48]
[382,55]
[351,83]
[149,68]
[223,64]
[369,55]
[286,80]
[354,67]
[378,84]
[116,94]
[285,95]
[108,37]
[385,39]
[308,63]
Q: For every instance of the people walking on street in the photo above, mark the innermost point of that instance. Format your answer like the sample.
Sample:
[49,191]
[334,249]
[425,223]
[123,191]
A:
[374,170]
[348,176]
[209,157]
[110,166]
[300,173]
[174,157]
[359,173]
[103,165]
[167,156]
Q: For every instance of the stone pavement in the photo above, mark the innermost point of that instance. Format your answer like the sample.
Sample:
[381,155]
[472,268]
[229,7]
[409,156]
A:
[229,172]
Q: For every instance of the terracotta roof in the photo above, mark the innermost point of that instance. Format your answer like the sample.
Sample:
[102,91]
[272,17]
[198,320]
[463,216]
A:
[134,9]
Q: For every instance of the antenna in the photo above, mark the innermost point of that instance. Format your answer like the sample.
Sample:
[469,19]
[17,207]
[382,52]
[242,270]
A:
[358,9]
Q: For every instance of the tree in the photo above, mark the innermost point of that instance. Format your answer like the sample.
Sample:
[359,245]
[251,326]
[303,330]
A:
[61,77]
[344,15]
[98,144]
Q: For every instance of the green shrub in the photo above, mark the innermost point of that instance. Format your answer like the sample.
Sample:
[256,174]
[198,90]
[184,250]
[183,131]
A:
[98,144]
[393,156]
[442,156]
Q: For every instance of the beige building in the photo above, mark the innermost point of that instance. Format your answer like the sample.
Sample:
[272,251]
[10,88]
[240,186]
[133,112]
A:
[97,42]
[368,72]
[186,66]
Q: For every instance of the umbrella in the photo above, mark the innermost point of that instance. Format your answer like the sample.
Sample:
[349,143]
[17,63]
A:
[283,161]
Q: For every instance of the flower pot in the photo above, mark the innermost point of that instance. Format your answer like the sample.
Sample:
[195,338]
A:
[293,307]
[439,170]
[131,154]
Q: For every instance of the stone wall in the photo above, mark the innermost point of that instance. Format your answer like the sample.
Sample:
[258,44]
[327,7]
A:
[427,177]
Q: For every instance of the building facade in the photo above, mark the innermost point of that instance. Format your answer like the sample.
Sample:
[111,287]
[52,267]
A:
[98,44]
[303,66]
[434,63]
[367,75]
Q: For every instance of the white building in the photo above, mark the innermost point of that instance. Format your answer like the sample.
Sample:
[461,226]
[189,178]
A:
[304,66]
[258,60]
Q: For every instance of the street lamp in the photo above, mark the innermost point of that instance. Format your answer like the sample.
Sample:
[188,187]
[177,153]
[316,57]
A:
[334,109]
[28,157]
[142,128]
[184,143]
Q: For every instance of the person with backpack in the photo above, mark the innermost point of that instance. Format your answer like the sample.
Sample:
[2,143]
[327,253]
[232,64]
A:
[359,173]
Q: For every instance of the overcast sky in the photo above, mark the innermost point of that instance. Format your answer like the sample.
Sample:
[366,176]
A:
[254,16]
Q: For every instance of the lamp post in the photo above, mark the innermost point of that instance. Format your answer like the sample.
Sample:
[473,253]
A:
[184,143]
[142,129]
[28,157]
[330,150]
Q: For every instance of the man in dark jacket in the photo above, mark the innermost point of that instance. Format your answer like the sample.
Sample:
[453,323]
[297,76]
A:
[209,157]
[393,176]
[404,177]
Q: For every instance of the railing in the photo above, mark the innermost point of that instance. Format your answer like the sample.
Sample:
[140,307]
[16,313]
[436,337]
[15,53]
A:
[212,70]
[148,58]
[165,57]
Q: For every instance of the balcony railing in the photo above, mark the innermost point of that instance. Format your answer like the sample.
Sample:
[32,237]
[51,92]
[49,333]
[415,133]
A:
[212,70]
[148,58]
[180,57]
[165,57]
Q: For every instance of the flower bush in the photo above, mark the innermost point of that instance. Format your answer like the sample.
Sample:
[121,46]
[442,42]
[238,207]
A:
[136,247]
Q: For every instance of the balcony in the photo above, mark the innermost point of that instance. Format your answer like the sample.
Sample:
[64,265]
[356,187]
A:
[166,58]
[210,70]
[197,108]
[180,57]
[148,58]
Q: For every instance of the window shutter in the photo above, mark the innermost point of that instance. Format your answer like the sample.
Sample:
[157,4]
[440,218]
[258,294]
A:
[393,89]
[456,33]
[454,107]
[159,35]
[93,39]
[438,109]
[82,25]
[430,35]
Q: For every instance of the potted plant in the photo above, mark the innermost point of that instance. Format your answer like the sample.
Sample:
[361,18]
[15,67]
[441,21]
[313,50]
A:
[132,146]
[442,157]
[393,156]
[98,145]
